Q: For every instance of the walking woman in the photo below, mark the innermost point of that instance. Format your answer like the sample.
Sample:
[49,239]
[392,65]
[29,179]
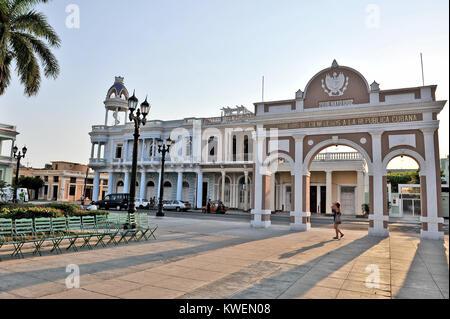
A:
[336,209]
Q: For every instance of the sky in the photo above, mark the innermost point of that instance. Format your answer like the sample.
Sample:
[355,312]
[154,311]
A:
[193,57]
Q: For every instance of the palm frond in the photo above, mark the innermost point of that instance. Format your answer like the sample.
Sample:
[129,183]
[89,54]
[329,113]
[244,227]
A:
[27,66]
[49,61]
[36,23]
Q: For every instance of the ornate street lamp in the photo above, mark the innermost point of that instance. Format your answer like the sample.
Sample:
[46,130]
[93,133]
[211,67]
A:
[163,149]
[139,118]
[18,155]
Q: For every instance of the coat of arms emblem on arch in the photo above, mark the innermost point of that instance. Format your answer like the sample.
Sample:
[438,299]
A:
[336,84]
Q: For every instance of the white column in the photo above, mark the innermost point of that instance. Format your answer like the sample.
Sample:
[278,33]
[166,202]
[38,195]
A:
[329,198]
[360,192]
[222,194]
[432,220]
[142,185]
[300,220]
[126,186]
[99,149]
[246,191]
[260,217]
[106,117]
[199,189]
[96,191]
[180,186]
[272,192]
[159,184]
[92,150]
[110,183]
[319,200]
[126,151]
[377,219]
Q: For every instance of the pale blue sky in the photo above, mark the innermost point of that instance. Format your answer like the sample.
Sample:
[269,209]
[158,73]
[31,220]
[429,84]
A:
[195,57]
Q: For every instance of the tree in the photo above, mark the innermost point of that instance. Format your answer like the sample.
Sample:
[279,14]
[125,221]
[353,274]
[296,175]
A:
[25,36]
[403,178]
[34,183]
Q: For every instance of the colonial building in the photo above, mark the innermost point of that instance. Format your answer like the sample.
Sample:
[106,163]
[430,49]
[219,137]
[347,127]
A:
[272,158]
[8,136]
[64,182]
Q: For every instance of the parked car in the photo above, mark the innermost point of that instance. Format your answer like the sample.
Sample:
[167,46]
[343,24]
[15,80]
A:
[177,205]
[113,201]
[142,203]
[215,208]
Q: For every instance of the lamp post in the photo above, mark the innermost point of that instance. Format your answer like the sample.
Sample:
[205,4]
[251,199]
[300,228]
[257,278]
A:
[163,149]
[139,118]
[18,155]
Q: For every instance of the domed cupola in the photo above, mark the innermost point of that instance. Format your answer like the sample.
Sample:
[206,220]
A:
[117,101]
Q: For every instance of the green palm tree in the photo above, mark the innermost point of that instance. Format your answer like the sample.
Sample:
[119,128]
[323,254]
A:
[25,37]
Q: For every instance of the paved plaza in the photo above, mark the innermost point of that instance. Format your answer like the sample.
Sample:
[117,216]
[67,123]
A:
[195,258]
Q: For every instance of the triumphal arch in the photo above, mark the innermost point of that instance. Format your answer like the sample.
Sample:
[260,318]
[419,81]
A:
[339,107]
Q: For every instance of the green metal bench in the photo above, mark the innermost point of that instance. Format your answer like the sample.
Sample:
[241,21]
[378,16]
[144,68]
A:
[6,232]
[23,233]
[59,233]
[43,231]
[145,228]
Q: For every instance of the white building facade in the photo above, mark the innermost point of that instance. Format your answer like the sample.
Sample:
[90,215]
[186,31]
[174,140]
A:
[272,159]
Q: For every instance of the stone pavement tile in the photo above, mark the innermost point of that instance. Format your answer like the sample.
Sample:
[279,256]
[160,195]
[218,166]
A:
[328,282]
[5,295]
[215,290]
[224,268]
[9,281]
[179,284]
[345,294]
[384,276]
[361,266]
[203,275]
[413,280]
[39,290]
[323,273]
[265,289]
[298,289]
[77,294]
[112,287]
[414,293]
[417,266]
[144,277]
[168,270]
[320,293]
[358,286]
[441,280]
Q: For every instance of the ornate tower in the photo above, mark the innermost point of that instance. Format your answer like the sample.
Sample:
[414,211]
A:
[116,101]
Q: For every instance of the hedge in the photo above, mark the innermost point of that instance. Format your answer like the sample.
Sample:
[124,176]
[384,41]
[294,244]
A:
[53,210]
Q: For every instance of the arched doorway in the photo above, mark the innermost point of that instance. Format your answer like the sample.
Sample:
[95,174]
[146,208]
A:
[168,191]
[244,190]
[186,196]
[227,193]
[119,187]
[151,190]
[404,198]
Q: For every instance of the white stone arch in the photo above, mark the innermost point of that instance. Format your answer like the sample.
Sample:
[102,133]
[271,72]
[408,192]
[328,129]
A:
[274,156]
[340,141]
[404,152]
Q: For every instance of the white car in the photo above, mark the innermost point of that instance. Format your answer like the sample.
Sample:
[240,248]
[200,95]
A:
[142,203]
[177,205]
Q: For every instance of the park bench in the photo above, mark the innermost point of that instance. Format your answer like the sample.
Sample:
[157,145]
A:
[38,231]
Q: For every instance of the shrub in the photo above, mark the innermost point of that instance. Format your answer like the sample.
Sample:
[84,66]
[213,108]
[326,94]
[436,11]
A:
[68,209]
[30,212]
[53,210]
